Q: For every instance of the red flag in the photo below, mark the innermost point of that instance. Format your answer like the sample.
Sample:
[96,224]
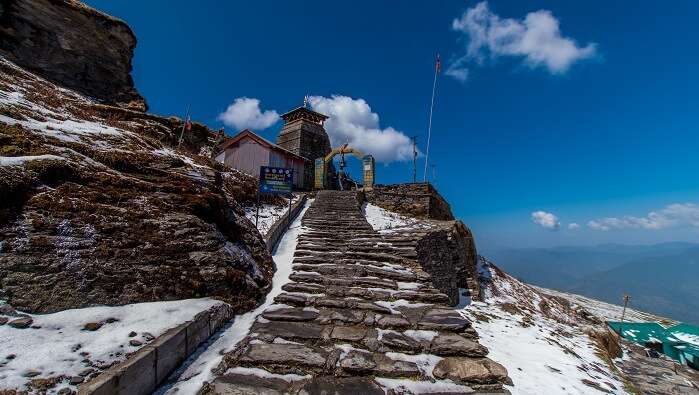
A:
[188,125]
[438,66]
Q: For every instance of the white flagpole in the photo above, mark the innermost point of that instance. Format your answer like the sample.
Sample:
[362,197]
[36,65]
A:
[429,127]
[186,119]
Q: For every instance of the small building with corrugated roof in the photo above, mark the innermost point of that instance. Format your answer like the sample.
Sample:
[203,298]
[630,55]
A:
[247,151]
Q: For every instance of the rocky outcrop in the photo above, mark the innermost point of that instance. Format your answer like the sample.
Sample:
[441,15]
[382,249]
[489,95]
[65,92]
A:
[358,317]
[72,45]
[97,206]
[419,200]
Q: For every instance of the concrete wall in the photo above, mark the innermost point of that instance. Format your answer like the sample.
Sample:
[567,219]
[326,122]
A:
[147,368]
[420,200]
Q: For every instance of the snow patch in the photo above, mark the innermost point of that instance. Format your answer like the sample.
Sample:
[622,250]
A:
[385,221]
[267,375]
[20,160]
[54,349]
[403,386]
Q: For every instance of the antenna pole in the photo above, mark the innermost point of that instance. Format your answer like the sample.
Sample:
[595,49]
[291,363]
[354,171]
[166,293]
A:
[186,118]
[429,127]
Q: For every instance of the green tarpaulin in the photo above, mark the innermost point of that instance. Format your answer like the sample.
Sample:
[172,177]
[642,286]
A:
[679,342]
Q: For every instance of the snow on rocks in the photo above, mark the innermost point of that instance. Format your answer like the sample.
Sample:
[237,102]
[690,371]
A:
[71,346]
[385,221]
[404,386]
[20,160]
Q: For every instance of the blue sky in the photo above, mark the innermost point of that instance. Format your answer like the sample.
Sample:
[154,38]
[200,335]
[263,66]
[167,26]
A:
[595,123]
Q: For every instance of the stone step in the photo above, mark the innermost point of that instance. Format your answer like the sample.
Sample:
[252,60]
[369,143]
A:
[358,310]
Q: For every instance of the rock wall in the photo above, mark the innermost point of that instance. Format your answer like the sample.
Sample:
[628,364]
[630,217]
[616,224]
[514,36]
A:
[72,45]
[420,200]
[448,253]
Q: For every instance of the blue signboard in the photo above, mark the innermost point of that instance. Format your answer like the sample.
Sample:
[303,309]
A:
[276,180]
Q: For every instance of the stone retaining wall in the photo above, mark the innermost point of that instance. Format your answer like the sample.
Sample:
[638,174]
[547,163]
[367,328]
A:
[143,371]
[420,200]
[279,228]
[448,252]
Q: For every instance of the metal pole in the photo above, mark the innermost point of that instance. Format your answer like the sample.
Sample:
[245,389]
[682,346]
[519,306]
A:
[288,215]
[429,127]
[257,214]
[186,118]
[623,312]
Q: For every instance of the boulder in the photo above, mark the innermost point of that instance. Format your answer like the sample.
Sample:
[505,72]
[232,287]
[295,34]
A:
[21,323]
[290,315]
[6,309]
[443,319]
[471,371]
[358,362]
[93,326]
[291,354]
[452,344]
[341,386]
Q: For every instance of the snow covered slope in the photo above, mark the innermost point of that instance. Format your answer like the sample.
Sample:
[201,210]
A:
[542,340]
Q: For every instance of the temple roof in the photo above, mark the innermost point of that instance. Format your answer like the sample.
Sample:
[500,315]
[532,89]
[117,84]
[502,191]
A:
[304,113]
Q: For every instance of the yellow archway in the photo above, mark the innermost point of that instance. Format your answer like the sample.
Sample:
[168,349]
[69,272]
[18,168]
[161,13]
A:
[321,164]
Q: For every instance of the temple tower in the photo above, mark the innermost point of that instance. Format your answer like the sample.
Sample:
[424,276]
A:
[303,134]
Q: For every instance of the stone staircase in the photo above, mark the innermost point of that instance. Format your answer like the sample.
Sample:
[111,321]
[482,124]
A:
[359,317]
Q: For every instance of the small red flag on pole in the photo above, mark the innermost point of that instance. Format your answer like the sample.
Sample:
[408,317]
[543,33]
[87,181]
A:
[438,66]
[188,125]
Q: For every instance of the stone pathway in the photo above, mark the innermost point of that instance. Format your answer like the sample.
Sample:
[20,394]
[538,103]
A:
[358,317]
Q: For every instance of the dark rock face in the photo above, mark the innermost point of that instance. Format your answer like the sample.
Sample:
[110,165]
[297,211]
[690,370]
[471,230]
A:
[72,45]
[419,200]
[100,208]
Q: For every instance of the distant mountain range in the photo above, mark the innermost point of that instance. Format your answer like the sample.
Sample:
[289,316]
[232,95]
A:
[662,279]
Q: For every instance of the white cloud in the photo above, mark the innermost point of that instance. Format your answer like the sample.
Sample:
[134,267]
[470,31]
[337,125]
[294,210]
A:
[458,70]
[537,38]
[573,226]
[546,220]
[245,113]
[352,121]
[673,215]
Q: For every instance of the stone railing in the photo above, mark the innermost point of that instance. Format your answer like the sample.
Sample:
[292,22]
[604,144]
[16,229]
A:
[148,367]
[279,227]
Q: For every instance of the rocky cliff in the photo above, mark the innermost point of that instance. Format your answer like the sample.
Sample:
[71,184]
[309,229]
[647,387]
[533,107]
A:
[73,46]
[98,206]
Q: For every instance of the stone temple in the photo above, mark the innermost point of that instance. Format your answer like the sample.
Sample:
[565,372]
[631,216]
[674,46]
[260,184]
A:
[303,134]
